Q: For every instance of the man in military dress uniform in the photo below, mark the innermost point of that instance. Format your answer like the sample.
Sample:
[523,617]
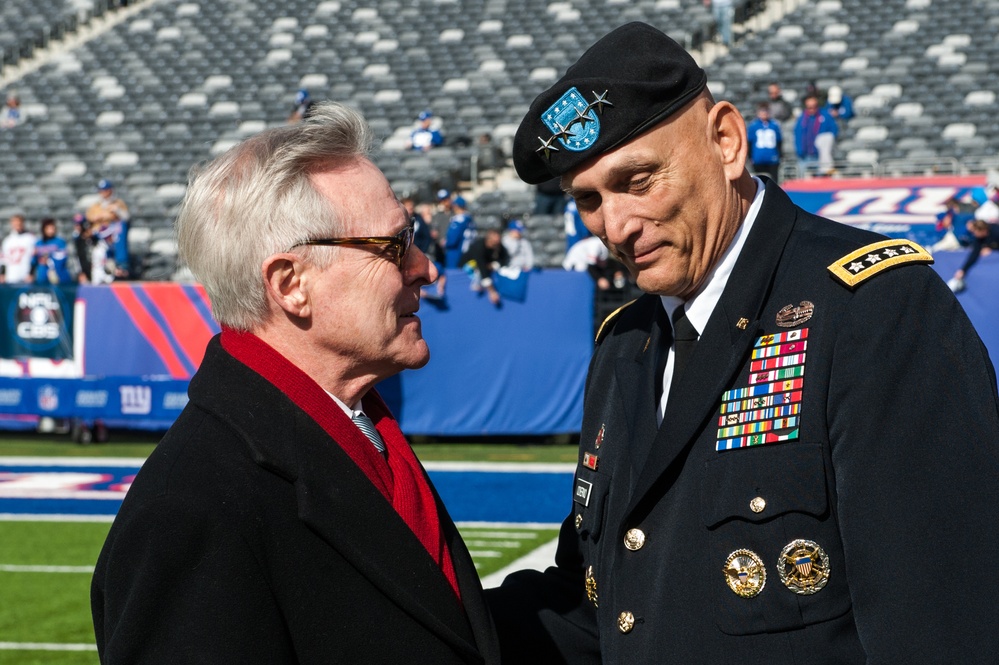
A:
[790,445]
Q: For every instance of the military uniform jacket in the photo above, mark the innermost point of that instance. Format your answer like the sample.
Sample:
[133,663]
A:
[249,536]
[887,460]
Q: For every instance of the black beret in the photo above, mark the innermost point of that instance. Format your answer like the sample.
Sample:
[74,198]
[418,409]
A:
[631,80]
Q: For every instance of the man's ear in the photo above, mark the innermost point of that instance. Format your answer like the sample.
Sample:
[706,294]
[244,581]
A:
[729,133]
[287,281]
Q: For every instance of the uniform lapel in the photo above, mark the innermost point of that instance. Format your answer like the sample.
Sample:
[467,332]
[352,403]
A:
[636,383]
[722,346]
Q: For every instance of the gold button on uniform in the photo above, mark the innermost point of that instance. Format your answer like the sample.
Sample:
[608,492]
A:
[634,540]
[758,504]
[625,622]
[579,520]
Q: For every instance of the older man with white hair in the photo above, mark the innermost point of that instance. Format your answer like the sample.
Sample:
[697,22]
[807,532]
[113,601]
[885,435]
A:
[284,518]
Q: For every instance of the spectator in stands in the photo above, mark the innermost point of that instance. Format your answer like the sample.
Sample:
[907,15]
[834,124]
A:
[427,134]
[303,106]
[984,230]
[17,252]
[518,247]
[485,256]
[839,105]
[952,222]
[724,13]
[51,261]
[460,233]
[575,230]
[814,138]
[421,228]
[765,143]
[83,244]
[489,155]
[780,110]
[590,254]
[434,250]
[284,517]
[442,212]
[110,220]
[11,116]
[549,199]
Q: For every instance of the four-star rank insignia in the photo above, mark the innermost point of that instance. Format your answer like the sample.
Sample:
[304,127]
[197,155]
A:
[868,261]
[574,122]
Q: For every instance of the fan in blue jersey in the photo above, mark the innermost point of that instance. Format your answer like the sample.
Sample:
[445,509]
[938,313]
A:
[460,233]
[51,257]
[765,143]
[574,228]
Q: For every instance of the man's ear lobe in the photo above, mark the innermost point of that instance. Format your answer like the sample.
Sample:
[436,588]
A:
[286,279]
[730,134]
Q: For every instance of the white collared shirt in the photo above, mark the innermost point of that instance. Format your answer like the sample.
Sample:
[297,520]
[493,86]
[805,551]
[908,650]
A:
[351,412]
[700,307]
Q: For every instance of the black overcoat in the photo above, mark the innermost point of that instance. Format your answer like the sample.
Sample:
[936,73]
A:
[249,536]
[894,474]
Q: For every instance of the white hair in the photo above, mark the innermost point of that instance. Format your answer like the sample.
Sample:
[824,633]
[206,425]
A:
[256,200]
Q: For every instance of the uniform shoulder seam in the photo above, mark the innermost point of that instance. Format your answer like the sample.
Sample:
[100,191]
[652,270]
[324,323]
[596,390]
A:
[609,322]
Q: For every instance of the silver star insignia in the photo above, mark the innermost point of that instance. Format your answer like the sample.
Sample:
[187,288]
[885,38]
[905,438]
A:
[873,258]
[563,132]
[547,147]
[890,252]
[599,102]
[907,250]
[856,267]
[581,117]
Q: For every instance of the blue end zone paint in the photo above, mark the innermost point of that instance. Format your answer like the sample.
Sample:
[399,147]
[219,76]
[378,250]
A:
[470,495]
[483,496]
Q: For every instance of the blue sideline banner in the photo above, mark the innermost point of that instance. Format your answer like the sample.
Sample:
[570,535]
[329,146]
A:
[144,401]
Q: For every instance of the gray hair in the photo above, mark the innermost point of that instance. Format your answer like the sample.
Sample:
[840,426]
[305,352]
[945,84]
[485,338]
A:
[256,200]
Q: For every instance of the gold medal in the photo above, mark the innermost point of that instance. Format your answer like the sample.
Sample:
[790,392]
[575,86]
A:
[803,567]
[745,573]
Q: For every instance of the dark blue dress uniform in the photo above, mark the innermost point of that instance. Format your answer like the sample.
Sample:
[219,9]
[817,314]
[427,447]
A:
[824,487]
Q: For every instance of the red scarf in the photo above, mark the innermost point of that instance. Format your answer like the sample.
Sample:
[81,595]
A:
[399,478]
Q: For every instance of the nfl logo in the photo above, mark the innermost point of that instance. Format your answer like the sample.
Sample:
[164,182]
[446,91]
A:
[48,398]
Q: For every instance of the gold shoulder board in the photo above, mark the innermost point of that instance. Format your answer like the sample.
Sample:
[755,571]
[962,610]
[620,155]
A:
[608,323]
[868,261]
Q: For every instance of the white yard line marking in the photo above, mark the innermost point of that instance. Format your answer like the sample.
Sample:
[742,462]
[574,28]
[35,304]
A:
[14,568]
[539,559]
[485,542]
[45,646]
[485,554]
[18,517]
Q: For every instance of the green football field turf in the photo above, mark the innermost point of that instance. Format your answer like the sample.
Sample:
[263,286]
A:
[45,571]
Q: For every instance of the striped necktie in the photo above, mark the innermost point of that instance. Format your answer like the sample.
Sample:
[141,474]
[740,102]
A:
[368,428]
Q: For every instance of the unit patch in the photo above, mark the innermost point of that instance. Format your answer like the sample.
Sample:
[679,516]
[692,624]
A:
[868,261]
[767,410]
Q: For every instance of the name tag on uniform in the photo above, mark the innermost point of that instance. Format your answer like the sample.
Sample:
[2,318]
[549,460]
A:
[581,494]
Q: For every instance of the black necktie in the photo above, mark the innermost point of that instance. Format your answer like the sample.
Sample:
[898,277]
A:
[684,338]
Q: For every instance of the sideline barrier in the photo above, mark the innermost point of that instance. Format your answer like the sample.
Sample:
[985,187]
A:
[514,370]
